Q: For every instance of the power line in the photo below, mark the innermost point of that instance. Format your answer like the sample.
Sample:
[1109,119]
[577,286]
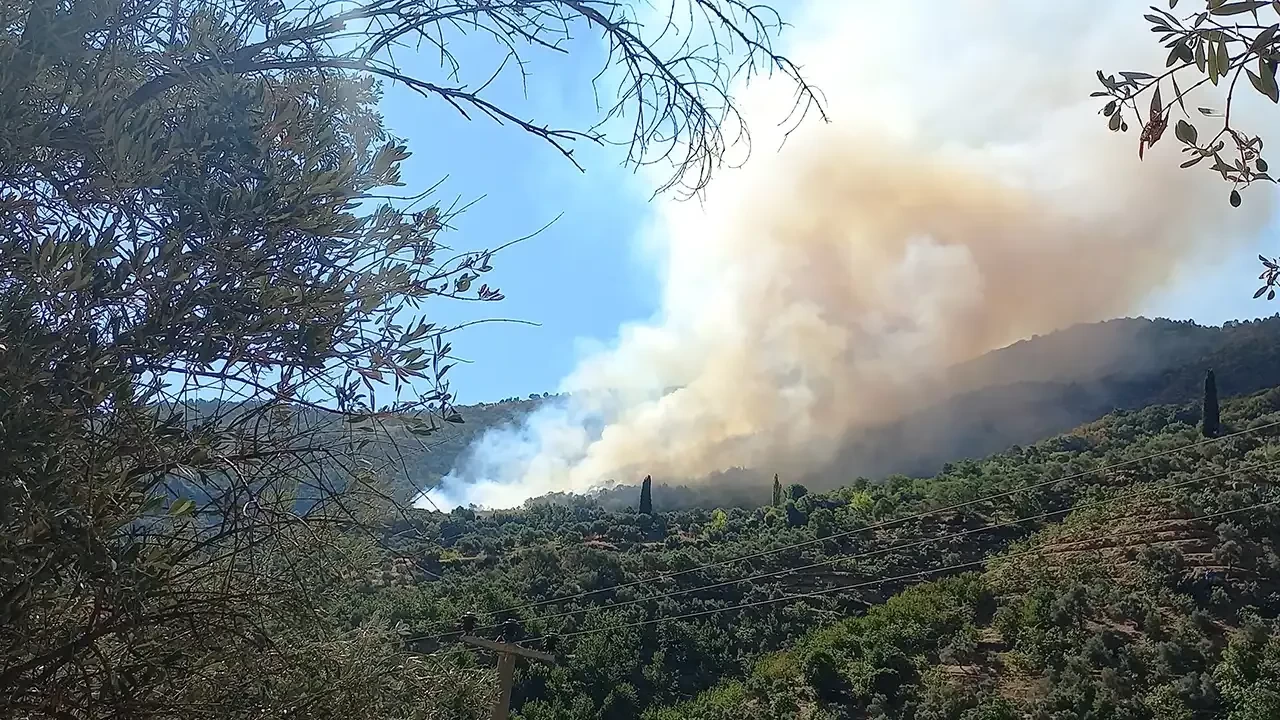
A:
[880,581]
[909,545]
[904,546]
[875,526]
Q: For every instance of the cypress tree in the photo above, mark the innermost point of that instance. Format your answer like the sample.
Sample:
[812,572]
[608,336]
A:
[777,491]
[646,498]
[1210,425]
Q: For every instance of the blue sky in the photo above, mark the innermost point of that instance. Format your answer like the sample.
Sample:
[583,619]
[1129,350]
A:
[578,278]
[582,277]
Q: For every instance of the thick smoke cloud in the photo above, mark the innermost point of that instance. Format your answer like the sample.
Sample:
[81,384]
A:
[966,195]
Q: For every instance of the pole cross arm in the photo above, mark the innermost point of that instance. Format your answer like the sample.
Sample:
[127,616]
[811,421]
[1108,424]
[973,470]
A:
[507,653]
[508,648]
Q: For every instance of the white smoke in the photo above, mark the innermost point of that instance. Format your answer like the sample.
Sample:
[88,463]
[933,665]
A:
[966,195]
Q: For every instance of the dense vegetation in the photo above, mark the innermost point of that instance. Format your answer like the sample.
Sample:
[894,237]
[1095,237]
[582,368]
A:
[200,200]
[1174,617]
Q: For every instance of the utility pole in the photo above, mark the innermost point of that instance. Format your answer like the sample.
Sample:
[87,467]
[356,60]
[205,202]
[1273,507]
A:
[506,653]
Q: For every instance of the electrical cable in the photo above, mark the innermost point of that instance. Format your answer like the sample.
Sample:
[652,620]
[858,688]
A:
[880,581]
[905,546]
[875,526]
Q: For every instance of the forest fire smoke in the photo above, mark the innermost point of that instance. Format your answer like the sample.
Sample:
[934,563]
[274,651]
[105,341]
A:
[966,195]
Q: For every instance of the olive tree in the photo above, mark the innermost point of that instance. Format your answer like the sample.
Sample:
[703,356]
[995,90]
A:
[1229,44]
[214,322]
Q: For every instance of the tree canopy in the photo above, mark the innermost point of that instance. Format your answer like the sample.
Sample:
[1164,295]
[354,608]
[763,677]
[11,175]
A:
[215,329]
[1217,43]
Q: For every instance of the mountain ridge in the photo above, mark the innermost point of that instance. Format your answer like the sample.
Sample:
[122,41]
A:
[1016,395]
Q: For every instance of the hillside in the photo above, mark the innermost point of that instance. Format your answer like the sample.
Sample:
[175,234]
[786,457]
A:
[1017,395]
[1162,622]
[1046,385]
[1171,617]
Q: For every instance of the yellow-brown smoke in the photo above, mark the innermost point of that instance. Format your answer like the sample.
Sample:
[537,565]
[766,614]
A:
[966,195]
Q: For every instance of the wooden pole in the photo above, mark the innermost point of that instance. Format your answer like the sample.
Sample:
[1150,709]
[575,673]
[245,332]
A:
[507,653]
[506,675]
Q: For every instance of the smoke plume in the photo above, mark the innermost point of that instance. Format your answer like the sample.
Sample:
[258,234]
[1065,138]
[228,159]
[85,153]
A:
[967,194]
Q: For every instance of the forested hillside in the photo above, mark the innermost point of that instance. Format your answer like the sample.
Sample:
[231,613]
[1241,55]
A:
[1050,384]
[1127,569]
[1014,396]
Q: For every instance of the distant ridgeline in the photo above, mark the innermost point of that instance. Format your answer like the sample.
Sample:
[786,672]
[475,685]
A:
[1017,395]
[408,462]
